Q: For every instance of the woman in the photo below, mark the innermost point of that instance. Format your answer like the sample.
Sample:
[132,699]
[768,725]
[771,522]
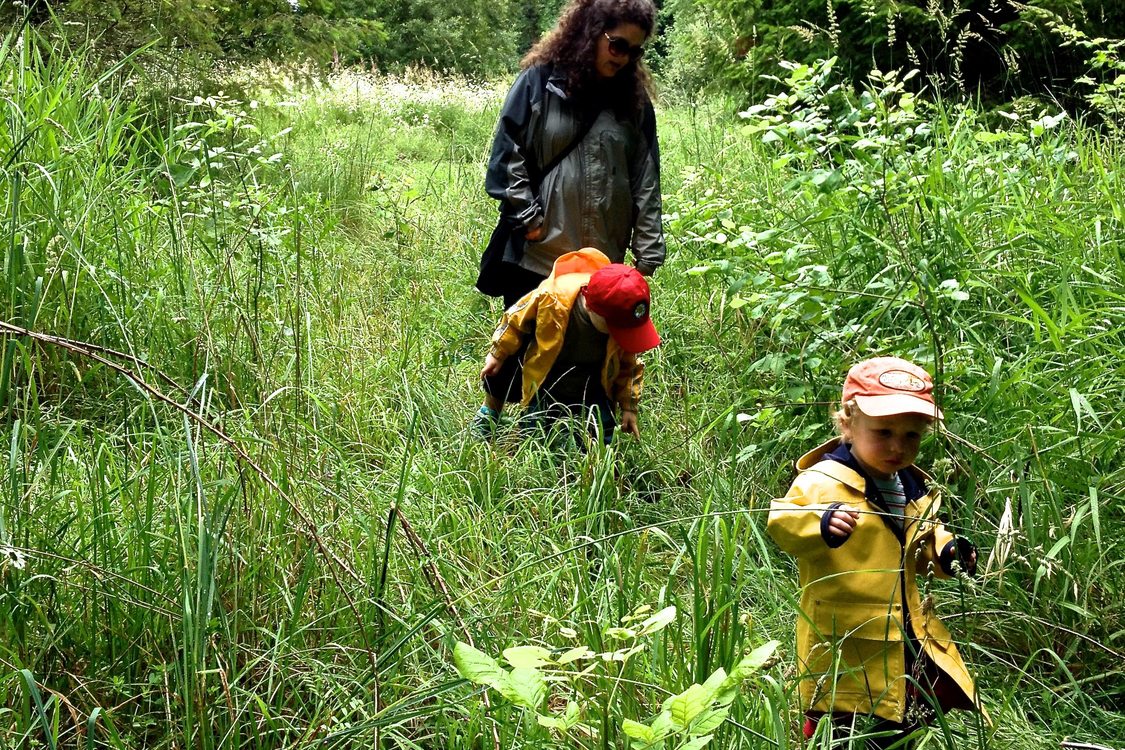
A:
[575,161]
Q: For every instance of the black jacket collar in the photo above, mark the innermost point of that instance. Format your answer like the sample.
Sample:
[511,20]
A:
[912,484]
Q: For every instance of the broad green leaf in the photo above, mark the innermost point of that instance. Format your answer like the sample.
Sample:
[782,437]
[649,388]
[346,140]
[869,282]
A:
[710,720]
[528,657]
[1081,405]
[181,174]
[573,713]
[715,681]
[621,655]
[658,621]
[696,743]
[525,687]
[574,654]
[1058,547]
[620,634]
[551,722]
[638,731]
[478,667]
[687,705]
[750,664]
[663,723]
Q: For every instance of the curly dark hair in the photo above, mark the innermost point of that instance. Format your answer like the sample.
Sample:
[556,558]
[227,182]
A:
[571,47]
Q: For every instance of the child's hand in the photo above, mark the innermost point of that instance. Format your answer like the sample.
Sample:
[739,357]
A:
[629,424]
[843,522]
[491,366]
[966,553]
[536,234]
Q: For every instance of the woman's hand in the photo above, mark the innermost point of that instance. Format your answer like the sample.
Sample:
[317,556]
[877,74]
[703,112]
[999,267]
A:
[629,424]
[536,234]
[491,366]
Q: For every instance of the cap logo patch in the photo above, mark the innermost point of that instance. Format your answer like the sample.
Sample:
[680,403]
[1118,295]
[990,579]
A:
[640,310]
[900,380]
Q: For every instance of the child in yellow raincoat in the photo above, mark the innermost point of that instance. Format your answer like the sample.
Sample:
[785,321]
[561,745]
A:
[575,339]
[864,526]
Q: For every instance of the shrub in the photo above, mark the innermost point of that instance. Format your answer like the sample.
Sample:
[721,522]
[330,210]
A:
[994,49]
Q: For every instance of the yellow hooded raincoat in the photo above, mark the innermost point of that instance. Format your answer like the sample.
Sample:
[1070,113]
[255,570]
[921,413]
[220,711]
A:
[858,598]
[545,312]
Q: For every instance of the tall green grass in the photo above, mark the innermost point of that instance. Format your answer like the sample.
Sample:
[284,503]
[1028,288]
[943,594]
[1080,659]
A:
[993,255]
[270,356]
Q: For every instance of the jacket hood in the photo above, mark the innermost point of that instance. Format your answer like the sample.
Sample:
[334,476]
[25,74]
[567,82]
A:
[834,458]
[587,261]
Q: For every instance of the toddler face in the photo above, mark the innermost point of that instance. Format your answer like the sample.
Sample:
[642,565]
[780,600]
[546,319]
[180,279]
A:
[884,445]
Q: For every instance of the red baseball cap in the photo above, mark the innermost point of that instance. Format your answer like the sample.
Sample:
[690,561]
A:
[620,294]
[884,386]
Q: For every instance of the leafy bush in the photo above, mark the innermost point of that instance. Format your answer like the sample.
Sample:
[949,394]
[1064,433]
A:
[476,36]
[899,227]
[994,49]
[585,682]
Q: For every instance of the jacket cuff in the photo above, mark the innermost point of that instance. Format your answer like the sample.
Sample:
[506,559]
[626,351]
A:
[646,269]
[829,538]
[959,549]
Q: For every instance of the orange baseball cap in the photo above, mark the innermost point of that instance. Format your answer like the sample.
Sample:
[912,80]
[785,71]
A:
[883,386]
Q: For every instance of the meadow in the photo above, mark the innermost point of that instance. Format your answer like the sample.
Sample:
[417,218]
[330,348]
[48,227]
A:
[240,348]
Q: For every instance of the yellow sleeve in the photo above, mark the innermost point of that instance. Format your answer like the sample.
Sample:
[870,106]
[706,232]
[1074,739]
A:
[795,520]
[930,559]
[629,382]
[517,323]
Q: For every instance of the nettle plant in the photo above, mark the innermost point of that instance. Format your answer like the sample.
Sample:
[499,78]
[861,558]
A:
[1105,81]
[812,271]
[221,168]
[231,198]
[836,140]
[568,689]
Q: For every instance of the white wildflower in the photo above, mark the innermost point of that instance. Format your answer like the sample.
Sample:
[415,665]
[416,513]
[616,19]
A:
[11,556]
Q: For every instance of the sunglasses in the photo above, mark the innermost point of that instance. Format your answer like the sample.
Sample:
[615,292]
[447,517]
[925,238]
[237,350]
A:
[620,47]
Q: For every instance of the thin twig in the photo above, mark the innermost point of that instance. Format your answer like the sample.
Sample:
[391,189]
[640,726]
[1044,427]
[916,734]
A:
[81,349]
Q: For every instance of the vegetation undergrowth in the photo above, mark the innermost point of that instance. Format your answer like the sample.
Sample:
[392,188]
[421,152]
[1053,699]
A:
[242,507]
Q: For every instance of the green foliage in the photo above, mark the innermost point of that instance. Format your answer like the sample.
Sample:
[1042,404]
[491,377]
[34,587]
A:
[269,356]
[685,721]
[1105,81]
[987,48]
[476,37]
[479,36]
[322,30]
[898,227]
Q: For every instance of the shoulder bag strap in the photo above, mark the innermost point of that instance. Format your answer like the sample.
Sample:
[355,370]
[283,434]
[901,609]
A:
[550,166]
[546,169]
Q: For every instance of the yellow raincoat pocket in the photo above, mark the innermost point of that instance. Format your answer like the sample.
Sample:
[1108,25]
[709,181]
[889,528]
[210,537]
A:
[855,656]
[839,620]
